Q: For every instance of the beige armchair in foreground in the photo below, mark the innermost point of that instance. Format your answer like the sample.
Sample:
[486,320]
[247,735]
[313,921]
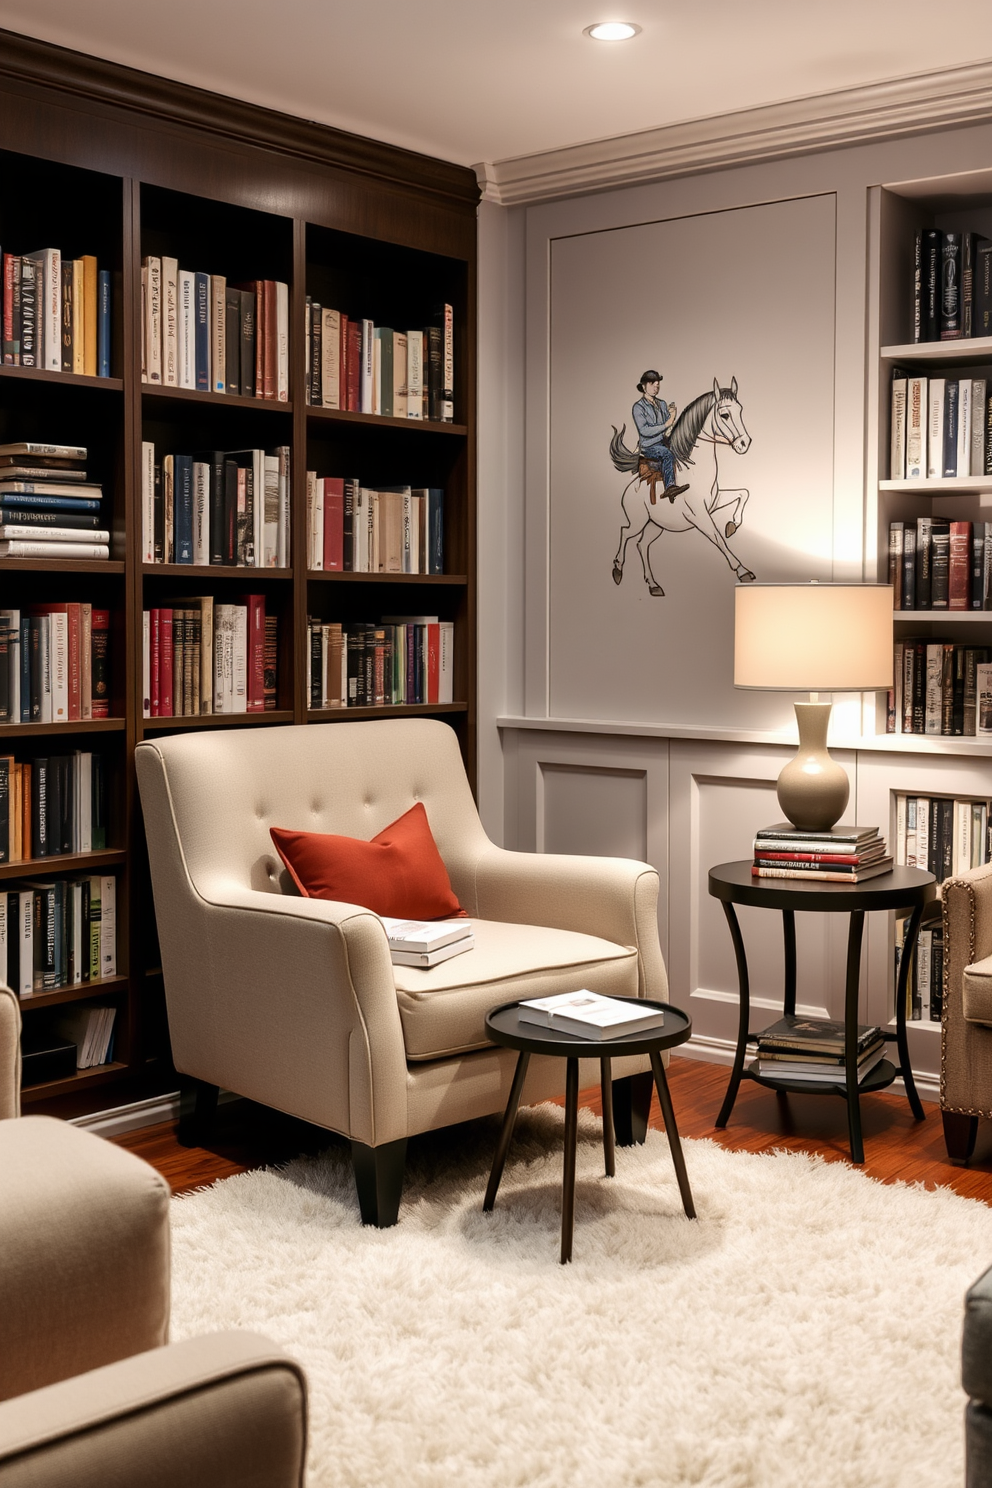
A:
[91,1394]
[966,1033]
[294,1002]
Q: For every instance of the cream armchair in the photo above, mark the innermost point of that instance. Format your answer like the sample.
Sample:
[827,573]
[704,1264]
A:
[966,1032]
[90,1392]
[294,1002]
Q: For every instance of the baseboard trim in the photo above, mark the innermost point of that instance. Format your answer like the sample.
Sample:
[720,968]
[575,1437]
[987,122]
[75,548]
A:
[719,1051]
[137,1115]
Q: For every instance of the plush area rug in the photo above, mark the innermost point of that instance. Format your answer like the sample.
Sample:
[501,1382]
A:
[805,1330]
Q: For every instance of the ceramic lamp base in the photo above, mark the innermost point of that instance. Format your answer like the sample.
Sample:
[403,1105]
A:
[813,789]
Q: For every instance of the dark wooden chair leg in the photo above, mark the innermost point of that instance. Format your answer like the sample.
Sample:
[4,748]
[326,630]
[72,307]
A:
[960,1131]
[631,1107]
[379,1180]
[197,1109]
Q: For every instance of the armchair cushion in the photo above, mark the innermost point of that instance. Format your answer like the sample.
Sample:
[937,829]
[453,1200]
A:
[976,991]
[398,873]
[443,1009]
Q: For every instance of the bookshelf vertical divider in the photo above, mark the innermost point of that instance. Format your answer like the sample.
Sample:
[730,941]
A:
[247,193]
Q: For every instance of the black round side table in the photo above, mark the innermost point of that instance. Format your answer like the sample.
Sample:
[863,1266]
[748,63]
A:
[902,888]
[505,1026]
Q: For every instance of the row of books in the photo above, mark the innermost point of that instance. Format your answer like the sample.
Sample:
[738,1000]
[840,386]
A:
[218,507]
[939,564]
[842,854]
[364,368]
[943,835]
[54,663]
[925,985]
[201,657]
[90,1030]
[56,313]
[952,285]
[941,688]
[52,805]
[354,529]
[404,659]
[48,509]
[198,331]
[58,934]
[813,1049]
[941,427]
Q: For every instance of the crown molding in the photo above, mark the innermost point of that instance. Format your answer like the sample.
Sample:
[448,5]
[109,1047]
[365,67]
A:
[876,111]
[25,60]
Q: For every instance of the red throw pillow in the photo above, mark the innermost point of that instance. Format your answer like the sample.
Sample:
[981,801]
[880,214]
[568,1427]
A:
[399,873]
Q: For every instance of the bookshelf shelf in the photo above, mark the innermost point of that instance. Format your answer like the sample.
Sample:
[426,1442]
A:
[964,352]
[956,485]
[373,229]
[943,617]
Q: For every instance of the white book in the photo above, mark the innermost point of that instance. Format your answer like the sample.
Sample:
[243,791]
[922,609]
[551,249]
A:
[407,521]
[377,374]
[271,511]
[777,1069]
[186,329]
[983,689]
[924,970]
[201,512]
[10,620]
[427,959]
[399,374]
[961,838]
[446,662]
[979,408]
[424,935]
[223,656]
[899,846]
[59,650]
[282,342]
[922,831]
[330,358]
[311,517]
[415,374]
[45,667]
[34,549]
[935,428]
[25,936]
[48,289]
[28,532]
[218,332]
[153,320]
[108,926]
[964,427]
[283,550]
[147,501]
[84,801]
[258,507]
[586,1014]
[366,369]
[170,322]
[897,431]
[360,529]
[448,367]
[239,665]
[317,530]
[146,665]
[916,426]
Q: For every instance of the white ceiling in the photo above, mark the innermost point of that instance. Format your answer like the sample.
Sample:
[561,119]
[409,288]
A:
[474,83]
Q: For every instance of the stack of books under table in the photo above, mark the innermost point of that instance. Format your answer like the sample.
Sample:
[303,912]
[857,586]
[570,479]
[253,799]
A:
[841,855]
[813,1049]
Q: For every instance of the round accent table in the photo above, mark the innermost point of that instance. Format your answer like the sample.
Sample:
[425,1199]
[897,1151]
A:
[902,888]
[505,1026]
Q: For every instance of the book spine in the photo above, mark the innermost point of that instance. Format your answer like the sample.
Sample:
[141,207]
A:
[218,333]
[103,314]
[951,410]
[282,342]
[916,397]
[201,332]
[100,662]
[316,360]
[29,313]
[897,428]
[248,334]
[232,340]
[959,568]
[964,427]
[950,287]
[935,427]
[270,342]
[183,508]
[255,643]
[932,253]
[924,561]
[909,568]
[153,320]
[65,321]
[11,308]
[170,322]
[447,365]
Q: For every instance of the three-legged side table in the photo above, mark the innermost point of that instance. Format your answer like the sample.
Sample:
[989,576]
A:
[903,888]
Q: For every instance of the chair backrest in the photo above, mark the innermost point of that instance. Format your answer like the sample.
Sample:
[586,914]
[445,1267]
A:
[10,1053]
[226,787]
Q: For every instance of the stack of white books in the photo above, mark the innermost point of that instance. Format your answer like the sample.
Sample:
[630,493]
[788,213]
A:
[426,942]
[589,1015]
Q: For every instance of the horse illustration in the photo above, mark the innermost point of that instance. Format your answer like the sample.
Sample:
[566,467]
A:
[714,419]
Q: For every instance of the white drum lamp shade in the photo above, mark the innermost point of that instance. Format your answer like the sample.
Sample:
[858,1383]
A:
[813,638]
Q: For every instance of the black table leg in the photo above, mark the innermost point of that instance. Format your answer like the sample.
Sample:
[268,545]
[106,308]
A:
[789,935]
[902,984]
[745,1014]
[672,1133]
[503,1145]
[571,1140]
[854,935]
[609,1143]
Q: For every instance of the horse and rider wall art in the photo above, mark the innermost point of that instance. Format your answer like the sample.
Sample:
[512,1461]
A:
[676,483]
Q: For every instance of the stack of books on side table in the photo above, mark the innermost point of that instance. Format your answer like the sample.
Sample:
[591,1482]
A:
[842,855]
[813,1049]
[426,942]
[589,1015]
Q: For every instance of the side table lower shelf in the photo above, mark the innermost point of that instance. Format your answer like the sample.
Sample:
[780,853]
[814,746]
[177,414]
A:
[878,1077]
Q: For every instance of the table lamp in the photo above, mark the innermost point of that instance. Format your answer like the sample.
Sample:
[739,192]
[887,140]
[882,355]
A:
[813,638]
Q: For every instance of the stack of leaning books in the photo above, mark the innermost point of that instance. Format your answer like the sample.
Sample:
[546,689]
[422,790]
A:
[842,855]
[813,1049]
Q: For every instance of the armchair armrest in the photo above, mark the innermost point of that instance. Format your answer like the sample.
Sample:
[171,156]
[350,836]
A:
[224,1411]
[614,898]
[966,1047]
[10,1053]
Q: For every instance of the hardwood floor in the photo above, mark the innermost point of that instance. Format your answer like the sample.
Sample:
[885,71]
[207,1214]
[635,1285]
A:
[897,1148]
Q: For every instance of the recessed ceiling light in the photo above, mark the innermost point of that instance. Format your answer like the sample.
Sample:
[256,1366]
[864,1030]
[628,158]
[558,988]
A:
[612,31]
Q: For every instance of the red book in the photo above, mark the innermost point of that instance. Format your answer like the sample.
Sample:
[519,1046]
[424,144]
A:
[255,670]
[333,523]
[11,264]
[796,857]
[433,662]
[270,351]
[353,366]
[165,679]
[959,567]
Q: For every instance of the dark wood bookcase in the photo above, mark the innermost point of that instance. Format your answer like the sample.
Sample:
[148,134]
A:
[97,158]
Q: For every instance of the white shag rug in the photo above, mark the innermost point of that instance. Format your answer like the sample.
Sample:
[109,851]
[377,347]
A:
[804,1330]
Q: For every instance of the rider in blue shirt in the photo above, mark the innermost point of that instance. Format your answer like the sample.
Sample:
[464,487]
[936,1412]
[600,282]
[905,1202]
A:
[654,419]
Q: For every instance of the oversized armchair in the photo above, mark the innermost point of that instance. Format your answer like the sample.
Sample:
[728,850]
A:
[91,1393]
[294,1001]
[966,1032]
